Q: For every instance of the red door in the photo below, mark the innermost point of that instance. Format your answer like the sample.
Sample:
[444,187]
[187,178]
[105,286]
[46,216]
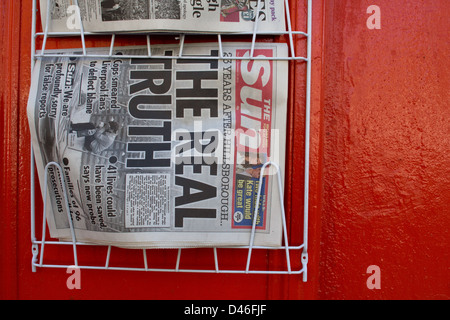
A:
[379,167]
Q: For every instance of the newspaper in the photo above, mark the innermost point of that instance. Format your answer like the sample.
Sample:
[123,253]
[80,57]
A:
[196,16]
[163,151]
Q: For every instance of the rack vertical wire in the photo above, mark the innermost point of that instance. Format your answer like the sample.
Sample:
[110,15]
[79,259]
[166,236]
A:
[38,246]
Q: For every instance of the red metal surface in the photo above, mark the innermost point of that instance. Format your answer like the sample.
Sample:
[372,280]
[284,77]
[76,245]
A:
[379,167]
[386,143]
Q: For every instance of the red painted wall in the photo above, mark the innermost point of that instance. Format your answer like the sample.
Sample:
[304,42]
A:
[379,166]
[386,150]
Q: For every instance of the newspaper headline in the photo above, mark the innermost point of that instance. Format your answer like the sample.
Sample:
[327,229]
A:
[164,151]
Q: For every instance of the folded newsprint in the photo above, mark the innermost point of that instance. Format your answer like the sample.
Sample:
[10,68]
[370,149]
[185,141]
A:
[196,16]
[162,151]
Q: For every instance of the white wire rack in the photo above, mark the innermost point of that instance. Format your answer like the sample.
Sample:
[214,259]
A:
[298,251]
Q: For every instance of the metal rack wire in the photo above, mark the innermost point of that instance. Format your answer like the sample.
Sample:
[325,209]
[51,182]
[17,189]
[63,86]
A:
[38,246]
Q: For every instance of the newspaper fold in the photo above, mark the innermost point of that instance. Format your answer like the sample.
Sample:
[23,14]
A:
[196,16]
[163,151]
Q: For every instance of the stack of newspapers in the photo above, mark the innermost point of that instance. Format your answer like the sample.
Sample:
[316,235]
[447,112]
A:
[155,149]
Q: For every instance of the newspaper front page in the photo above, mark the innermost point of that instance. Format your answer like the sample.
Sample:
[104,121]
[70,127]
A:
[161,152]
[197,16]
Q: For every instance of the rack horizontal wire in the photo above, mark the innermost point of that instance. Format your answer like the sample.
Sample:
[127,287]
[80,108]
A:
[38,246]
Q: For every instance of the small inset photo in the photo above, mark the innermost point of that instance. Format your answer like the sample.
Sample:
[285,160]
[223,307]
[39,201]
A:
[122,10]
